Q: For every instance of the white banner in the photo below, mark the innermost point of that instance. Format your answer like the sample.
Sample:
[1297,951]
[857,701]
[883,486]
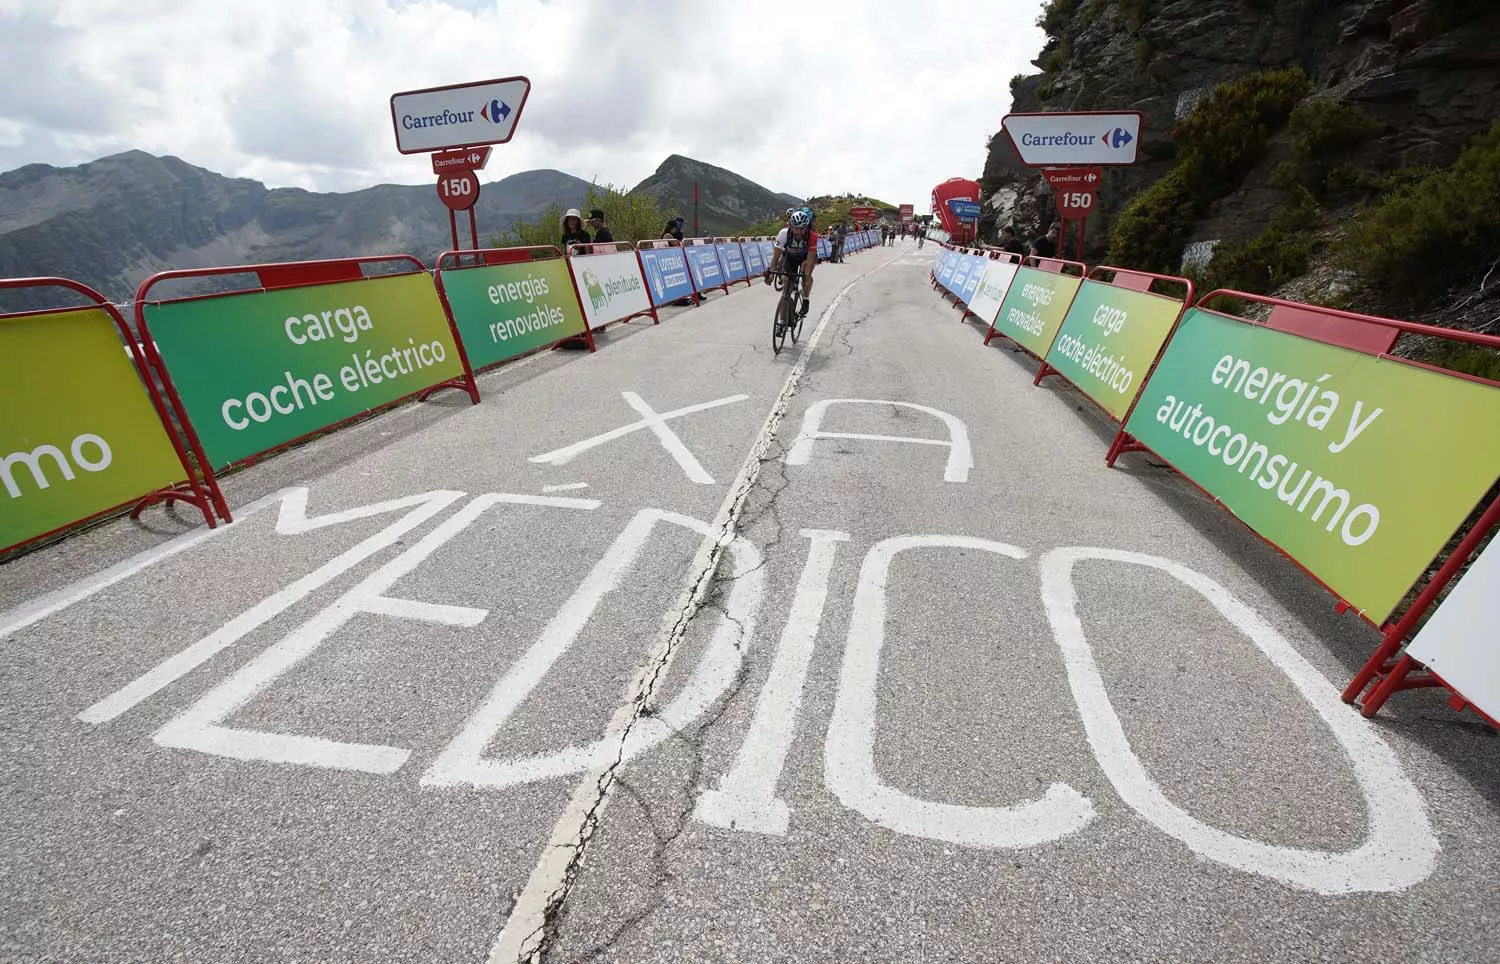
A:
[992,288]
[610,286]
[1459,642]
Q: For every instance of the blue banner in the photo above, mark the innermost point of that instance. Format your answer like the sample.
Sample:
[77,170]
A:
[825,249]
[960,273]
[703,263]
[945,271]
[731,260]
[964,210]
[767,248]
[977,264]
[666,275]
[754,263]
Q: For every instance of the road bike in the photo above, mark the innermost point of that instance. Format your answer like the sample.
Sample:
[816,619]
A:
[788,317]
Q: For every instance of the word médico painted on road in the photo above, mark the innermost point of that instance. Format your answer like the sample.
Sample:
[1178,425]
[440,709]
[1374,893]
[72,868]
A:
[1400,849]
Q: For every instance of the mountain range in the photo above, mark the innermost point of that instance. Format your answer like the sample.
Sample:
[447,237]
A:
[113,222]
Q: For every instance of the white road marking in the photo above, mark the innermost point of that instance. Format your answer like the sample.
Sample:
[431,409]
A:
[960,456]
[746,798]
[463,760]
[656,423]
[849,759]
[34,610]
[568,487]
[1400,849]
[293,519]
[522,935]
[200,728]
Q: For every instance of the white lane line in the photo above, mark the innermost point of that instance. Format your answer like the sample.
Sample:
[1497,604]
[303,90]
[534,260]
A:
[566,487]
[522,937]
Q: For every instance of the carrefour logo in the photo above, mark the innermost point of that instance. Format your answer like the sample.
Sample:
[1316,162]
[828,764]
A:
[495,111]
[1116,138]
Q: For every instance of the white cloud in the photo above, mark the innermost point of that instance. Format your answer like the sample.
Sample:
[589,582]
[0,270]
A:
[805,96]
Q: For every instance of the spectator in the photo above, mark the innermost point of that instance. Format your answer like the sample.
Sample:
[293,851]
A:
[602,233]
[572,229]
[1009,241]
[1046,245]
[673,229]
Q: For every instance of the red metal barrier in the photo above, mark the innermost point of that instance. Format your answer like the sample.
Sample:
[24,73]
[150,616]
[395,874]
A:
[269,277]
[1057,266]
[1390,673]
[199,488]
[1141,281]
[1365,334]
[486,257]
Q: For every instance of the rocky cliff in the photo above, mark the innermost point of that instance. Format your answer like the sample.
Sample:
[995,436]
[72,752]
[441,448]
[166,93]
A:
[1411,83]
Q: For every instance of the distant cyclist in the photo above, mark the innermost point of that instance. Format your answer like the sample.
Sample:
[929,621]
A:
[797,248]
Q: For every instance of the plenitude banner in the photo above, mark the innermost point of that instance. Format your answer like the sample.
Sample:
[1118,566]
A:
[1108,341]
[703,264]
[1360,468]
[505,310]
[731,260]
[1034,308]
[994,282]
[261,368]
[610,286]
[80,434]
[667,274]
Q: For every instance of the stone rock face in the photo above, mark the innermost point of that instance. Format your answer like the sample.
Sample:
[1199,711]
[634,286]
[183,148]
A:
[1428,69]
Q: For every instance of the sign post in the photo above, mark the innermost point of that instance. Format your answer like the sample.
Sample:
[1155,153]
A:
[457,124]
[1072,149]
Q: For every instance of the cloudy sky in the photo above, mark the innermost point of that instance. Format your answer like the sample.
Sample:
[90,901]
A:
[887,97]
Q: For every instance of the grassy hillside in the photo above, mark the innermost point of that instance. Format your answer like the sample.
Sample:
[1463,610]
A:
[828,209]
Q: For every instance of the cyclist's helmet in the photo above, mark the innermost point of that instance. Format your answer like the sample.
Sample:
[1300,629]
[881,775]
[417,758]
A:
[801,218]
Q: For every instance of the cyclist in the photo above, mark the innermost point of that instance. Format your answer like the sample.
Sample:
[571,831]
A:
[797,248]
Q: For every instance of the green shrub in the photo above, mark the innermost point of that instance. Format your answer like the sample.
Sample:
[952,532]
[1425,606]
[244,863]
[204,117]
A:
[1469,359]
[1323,133]
[1270,259]
[1152,229]
[1056,16]
[1434,231]
[1056,55]
[1217,145]
[1225,135]
[630,217]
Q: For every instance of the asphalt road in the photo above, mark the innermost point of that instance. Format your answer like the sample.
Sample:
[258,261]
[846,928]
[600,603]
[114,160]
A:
[854,653]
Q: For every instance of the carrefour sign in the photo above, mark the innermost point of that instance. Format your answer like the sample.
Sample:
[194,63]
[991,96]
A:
[459,115]
[1086,137]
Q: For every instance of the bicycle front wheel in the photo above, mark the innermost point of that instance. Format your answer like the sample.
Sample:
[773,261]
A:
[779,324]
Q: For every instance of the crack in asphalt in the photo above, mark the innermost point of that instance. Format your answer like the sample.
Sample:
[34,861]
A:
[677,824]
[704,590]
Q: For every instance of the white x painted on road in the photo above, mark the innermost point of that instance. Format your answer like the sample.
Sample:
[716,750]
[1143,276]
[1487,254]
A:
[657,423]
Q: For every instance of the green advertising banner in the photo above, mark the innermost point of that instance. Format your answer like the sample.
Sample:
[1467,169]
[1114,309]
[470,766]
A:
[259,369]
[506,310]
[79,433]
[1359,468]
[1034,307]
[1108,341]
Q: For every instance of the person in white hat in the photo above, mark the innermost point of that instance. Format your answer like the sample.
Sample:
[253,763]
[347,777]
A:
[572,229]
